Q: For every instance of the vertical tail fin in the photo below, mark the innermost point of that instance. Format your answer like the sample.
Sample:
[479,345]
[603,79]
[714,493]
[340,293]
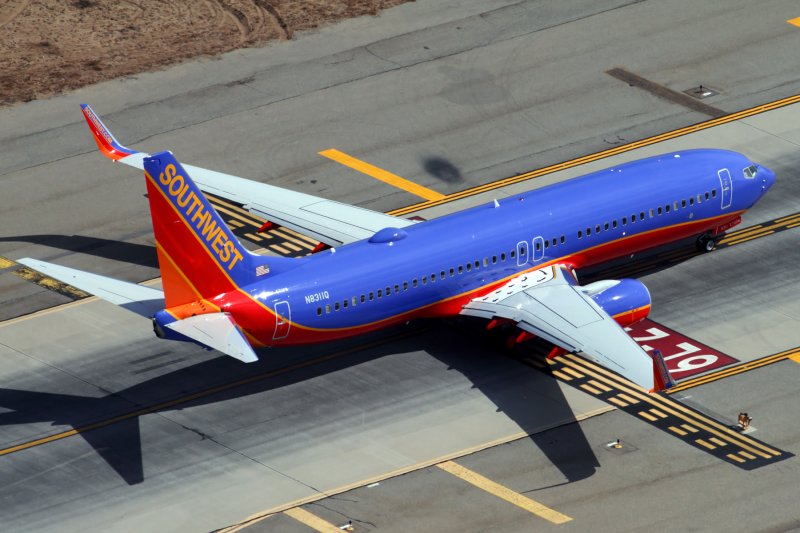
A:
[199,256]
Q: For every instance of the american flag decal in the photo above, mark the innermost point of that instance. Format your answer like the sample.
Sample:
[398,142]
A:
[262,269]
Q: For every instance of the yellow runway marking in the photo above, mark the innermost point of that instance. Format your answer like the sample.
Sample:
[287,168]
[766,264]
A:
[290,238]
[689,428]
[717,441]
[794,22]
[648,416]
[676,409]
[235,223]
[598,385]
[382,175]
[628,399]
[679,431]
[602,155]
[795,357]
[5,263]
[572,371]
[561,375]
[504,493]
[748,455]
[735,457]
[589,388]
[618,402]
[658,413]
[703,443]
[253,237]
[279,248]
[311,520]
[793,354]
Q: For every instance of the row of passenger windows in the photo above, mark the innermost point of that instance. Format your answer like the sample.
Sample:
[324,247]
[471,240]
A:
[397,288]
[653,213]
[538,245]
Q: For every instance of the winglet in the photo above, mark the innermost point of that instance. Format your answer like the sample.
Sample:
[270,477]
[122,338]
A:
[661,376]
[108,145]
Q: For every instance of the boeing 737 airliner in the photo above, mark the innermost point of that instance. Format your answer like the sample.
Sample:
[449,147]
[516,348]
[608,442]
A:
[512,260]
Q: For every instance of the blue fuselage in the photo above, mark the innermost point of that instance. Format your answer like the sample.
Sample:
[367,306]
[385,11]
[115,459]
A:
[433,267]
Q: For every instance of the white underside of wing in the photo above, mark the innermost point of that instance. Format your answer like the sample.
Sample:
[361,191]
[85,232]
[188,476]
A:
[330,222]
[141,300]
[546,303]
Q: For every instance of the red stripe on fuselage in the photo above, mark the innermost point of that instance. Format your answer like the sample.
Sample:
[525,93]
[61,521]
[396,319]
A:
[300,334]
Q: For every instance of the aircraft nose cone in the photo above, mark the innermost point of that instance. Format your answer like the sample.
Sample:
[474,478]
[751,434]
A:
[767,177]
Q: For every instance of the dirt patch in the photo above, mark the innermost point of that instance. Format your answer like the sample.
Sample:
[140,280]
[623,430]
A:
[51,46]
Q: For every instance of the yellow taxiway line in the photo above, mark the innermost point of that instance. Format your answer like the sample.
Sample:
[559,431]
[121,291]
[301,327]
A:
[794,22]
[502,492]
[382,175]
[311,520]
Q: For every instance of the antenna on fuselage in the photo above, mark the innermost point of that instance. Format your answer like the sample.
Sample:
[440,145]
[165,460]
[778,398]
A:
[496,203]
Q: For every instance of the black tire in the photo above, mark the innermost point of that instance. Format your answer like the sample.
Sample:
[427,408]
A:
[706,243]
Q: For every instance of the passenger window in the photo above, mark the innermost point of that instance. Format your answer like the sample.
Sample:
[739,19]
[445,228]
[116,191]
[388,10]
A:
[319,311]
[424,280]
[624,221]
[605,226]
[469,267]
[683,203]
[344,304]
[502,257]
[713,193]
[546,245]
[477,265]
[614,224]
[363,298]
[380,293]
[588,231]
[452,272]
[597,228]
[666,208]
[513,254]
[336,306]
[706,195]
[641,215]
[538,246]
[659,210]
[494,259]
[691,201]
[371,296]
[555,241]
[699,198]
[633,218]
[442,274]
[433,278]
[388,290]
[328,308]
[355,300]
[414,283]
[563,239]
[580,234]
[486,261]
[676,205]
[460,269]
[405,285]
[651,213]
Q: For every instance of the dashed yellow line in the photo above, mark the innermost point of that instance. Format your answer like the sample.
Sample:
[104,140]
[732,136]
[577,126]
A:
[311,520]
[504,493]
[795,357]
[735,457]
[382,175]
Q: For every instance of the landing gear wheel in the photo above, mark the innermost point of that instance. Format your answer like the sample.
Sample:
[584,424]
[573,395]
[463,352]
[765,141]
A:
[706,243]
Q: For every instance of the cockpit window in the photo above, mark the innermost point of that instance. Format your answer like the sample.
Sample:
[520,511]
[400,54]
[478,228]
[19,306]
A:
[750,172]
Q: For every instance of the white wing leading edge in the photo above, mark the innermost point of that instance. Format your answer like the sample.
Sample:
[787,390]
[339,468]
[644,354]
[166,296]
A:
[330,222]
[548,303]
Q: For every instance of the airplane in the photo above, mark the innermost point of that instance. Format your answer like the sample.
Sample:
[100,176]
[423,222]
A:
[510,261]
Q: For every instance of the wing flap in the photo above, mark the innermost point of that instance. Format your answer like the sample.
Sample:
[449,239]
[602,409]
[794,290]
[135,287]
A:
[141,300]
[217,331]
[548,304]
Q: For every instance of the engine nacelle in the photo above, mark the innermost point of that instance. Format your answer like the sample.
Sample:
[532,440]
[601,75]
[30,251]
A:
[626,300]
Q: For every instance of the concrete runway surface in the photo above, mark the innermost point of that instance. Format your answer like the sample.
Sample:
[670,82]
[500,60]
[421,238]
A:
[450,95]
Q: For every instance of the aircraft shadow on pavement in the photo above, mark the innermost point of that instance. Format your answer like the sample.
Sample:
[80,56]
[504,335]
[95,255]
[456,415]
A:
[110,424]
[126,252]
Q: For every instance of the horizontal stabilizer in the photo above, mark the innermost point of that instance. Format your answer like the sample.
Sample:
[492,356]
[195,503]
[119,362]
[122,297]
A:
[141,300]
[217,331]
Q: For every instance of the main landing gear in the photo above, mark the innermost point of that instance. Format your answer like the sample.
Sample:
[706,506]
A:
[706,243]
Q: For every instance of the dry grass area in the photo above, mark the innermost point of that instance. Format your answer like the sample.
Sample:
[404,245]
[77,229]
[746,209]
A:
[51,46]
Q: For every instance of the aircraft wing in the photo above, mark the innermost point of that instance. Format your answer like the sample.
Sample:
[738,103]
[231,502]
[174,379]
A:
[549,304]
[330,222]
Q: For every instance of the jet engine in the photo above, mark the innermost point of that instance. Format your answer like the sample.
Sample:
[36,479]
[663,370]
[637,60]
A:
[626,300]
